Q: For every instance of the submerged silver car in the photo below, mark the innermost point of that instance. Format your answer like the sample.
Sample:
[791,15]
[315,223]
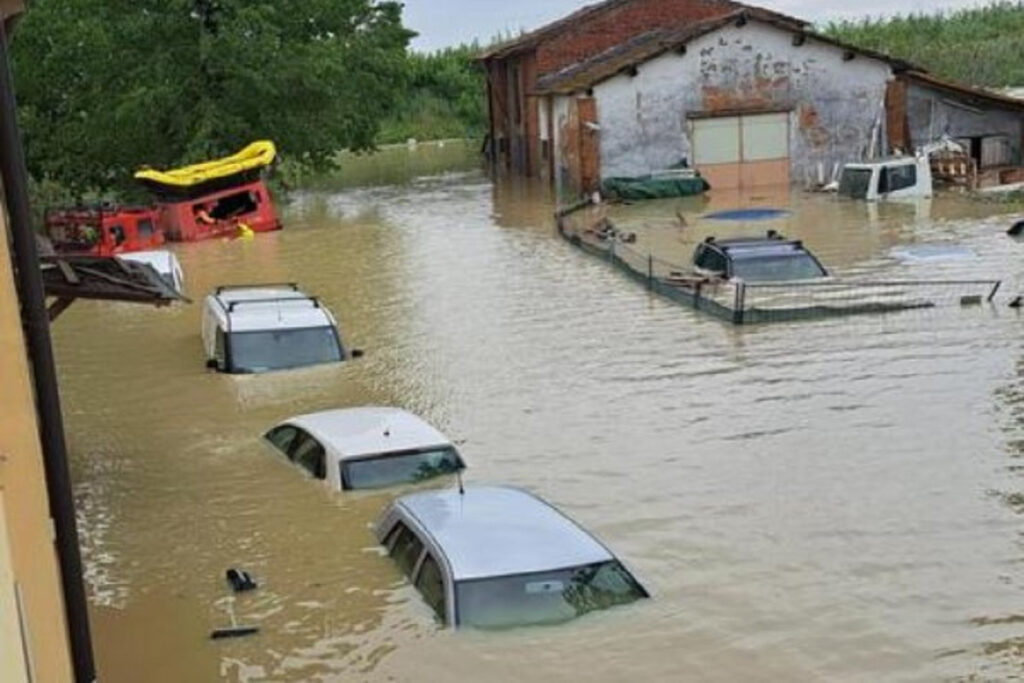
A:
[499,557]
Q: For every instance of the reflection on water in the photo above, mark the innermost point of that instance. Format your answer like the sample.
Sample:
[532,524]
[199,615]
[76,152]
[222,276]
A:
[808,501]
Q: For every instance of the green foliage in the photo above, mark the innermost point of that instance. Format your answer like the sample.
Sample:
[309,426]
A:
[106,86]
[980,46]
[445,97]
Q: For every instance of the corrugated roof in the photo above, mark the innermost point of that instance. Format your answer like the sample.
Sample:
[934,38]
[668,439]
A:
[644,48]
[532,38]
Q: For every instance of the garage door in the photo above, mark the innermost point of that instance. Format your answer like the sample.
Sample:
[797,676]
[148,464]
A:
[742,152]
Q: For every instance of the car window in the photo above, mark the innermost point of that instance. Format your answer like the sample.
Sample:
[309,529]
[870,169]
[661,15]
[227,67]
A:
[430,584]
[309,454]
[263,351]
[896,178]
[855,182]
[778,268]
[711,259]
[282,437]
[407,467]
[544,597]
[406,549]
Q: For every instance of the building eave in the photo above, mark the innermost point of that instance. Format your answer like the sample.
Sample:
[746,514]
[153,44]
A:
[612,63]
[532,39]
[970,93]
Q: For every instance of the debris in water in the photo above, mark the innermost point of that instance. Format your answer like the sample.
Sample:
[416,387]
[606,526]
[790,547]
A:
[932,252]
[747,215]
[240,580]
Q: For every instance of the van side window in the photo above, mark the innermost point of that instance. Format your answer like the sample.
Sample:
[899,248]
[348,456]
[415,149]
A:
[406,550]
[430,584]
[896,178]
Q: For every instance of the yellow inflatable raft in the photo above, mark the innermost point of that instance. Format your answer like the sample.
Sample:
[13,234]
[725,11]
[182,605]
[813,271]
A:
[254,156]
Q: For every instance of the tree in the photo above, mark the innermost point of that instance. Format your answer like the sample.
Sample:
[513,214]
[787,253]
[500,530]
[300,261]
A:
[106,86]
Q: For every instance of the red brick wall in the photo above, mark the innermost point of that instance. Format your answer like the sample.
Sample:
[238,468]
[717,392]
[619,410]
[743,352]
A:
[608,29]
[588,37]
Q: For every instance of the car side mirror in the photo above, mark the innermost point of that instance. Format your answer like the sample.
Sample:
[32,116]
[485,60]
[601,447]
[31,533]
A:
[212,364]
[357,353]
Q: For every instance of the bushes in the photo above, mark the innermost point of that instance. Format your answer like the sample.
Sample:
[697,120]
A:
[445,97]
[981,46]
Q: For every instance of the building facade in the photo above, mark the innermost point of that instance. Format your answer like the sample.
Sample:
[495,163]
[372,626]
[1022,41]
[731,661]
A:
[513,69]
[747,96]
[751,100]
[33,628]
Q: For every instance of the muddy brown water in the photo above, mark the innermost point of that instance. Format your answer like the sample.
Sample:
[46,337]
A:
[830,500]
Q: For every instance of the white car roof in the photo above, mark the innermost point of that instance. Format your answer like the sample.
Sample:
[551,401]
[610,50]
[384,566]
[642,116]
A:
[491,531]
[269,307]
[358,432]
[162,260]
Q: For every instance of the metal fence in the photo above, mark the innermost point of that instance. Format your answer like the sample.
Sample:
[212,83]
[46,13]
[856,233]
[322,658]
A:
[744,302]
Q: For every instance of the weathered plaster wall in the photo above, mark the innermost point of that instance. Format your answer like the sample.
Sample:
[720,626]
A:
[834,102]
[560,114]
[933,113]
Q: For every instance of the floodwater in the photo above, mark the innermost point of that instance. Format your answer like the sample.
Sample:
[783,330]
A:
[833,500]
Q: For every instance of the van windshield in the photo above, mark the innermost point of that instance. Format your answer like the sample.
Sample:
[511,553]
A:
[778,268]
[267,350]
[408,467]
[855,182]
[544,597]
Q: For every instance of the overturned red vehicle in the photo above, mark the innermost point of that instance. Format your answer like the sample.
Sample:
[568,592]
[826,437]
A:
[221,198]
[103,229]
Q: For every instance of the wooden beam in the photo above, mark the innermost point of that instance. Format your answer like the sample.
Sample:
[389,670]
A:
[58,307]
[68,272]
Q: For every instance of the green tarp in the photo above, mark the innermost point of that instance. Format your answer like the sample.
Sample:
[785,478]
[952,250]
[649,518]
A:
[650,187]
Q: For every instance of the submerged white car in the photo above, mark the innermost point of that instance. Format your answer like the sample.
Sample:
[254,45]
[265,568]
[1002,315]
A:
[499,557]
[164,262]
[259,328]
[366,448]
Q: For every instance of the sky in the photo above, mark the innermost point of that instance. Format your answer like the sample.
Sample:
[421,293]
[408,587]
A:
[441,23]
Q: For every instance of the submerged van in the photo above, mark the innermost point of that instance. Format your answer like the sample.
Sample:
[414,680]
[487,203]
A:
[259,328]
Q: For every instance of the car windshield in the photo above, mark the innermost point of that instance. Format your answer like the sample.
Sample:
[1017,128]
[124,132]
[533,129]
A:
[777,268]
[389,469]
[855,182]
[544,597]
[280,349]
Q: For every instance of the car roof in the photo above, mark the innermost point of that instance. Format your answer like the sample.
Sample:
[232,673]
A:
[491,531]
[886,162]
[756,247]
[161,259]
[358,432]
[270,307]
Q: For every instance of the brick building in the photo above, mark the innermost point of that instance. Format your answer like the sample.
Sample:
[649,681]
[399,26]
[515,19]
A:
[514,68]
[747,96]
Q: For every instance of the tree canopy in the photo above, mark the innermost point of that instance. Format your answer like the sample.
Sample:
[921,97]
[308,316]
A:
[106,86]
[978,45]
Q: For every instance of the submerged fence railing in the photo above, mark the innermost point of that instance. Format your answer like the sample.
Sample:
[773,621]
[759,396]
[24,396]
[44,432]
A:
[746,302]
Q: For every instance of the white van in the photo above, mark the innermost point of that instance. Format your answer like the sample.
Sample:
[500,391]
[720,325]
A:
[164,262]
[259,328]
[896,178]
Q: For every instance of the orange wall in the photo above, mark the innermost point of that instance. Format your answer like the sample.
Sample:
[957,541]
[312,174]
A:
[23,487]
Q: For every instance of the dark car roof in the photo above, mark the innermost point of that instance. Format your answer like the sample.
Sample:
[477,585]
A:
[743,249]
